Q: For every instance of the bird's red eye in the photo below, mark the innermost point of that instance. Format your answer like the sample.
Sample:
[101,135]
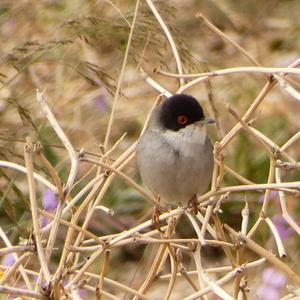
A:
[182,119]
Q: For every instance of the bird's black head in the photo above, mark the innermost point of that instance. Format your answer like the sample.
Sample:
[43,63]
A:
[179,111]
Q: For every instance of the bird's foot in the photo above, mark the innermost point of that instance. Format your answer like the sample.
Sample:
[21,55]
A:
[193,204]
[155,219]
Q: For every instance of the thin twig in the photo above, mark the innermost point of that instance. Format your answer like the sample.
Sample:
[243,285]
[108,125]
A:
[291,141]
[169,37]
[34,209]
[99,288]
[230,71]
[226,38]
[125,178]
[155,84]
[195,225]
[11,271]
[283,204]
[16,257]
[264,253]
[51,170]
[120,78]
[21,292]
[14,166]
[229,276]
[62,136]
[277,238]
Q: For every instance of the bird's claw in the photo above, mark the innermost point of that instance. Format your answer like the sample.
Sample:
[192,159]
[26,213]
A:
[155,219]
[193,204]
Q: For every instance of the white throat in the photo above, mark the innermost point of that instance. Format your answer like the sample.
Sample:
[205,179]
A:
[185,138]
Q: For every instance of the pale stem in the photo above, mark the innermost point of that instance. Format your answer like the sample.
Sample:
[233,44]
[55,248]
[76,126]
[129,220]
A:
[62,136]
[99,288]
[287,88]
[214,184]
[12,269]
[277,238]
[230,71]
[196,227]
[254,187]
[120,78]
[247,266]
[264,253]
[245,218]
[209,227]
[160,259]
[169,37]
[197,259]
[291,141]
[283,205]
[127,179]
[14,166]
[229,276]
[120,237]
[16,249]
[21,292]
[154,84]
[95,181]
[215,287]
[226,38]
[117,285]
[119,12]
[174,268]
[34,209]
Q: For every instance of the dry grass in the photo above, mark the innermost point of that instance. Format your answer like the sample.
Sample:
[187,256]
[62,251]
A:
[97,225]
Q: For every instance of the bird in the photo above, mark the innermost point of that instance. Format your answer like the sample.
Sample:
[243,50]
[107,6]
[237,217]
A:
[174,154]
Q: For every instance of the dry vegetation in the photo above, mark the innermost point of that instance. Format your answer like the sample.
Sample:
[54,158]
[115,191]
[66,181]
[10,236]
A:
[78,79]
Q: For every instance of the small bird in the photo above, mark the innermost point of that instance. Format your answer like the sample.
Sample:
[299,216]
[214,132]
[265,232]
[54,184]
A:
[174,154]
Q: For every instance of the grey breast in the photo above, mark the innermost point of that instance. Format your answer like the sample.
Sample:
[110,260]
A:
[173,174]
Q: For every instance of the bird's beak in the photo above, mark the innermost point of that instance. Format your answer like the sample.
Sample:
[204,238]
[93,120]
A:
[205,121]
[209,120]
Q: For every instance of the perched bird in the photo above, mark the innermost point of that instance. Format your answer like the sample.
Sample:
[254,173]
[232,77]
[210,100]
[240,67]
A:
[175,155]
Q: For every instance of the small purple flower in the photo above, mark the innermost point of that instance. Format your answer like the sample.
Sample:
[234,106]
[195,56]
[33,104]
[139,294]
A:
[100,103]
[50,201]
[44,221]
[83,293]
[272,283]
[8,260]
[282,227]
[274,278]
[266,292]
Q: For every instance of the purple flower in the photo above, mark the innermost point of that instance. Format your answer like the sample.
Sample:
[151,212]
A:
[282,227]
[50,201]
[272,283]
[44,221]
[8,260]
[266,292]
[83,293]
[274,278]
[100,103]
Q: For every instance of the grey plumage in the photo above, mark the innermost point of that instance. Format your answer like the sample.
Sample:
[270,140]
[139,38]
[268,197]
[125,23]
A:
[176,165]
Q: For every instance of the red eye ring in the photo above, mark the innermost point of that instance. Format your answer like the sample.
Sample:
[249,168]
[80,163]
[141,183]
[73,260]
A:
[182,119]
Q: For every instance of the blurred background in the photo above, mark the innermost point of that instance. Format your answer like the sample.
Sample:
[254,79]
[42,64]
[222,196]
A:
[75,49]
